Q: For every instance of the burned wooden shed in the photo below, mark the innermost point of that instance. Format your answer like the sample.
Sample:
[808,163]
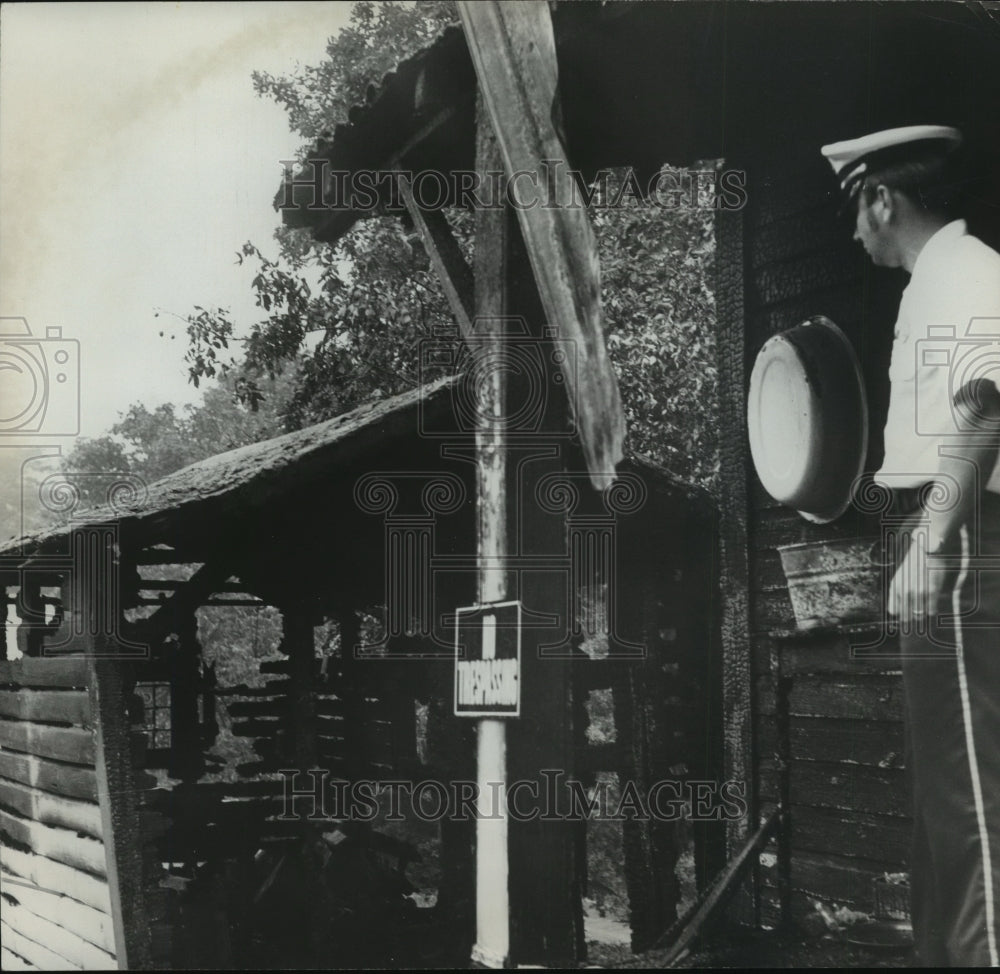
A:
[122,840]
[807,724]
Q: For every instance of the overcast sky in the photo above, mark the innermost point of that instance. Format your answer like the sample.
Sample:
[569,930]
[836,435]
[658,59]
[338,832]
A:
[135,159]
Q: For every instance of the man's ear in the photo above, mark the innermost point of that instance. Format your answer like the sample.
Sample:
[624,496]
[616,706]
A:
[884,196]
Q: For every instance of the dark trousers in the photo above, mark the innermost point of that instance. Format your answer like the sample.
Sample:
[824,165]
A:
[951,678]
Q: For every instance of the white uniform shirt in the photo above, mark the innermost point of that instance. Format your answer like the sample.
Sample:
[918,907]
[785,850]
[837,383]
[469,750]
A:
[947,334]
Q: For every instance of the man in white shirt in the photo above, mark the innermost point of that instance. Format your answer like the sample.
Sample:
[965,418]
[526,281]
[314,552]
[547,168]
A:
[942,436]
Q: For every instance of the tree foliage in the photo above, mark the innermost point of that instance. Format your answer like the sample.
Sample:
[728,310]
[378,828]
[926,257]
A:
[354,333]
[151,443]
[341,324]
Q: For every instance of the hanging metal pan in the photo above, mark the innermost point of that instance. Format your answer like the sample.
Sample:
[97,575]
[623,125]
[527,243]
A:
[807,415]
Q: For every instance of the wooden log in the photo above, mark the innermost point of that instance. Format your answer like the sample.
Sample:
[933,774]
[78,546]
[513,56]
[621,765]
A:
[73,744]
[12,962]
[86,922]
[34,953]
[275,707]
[831,878]
[59,844]
[57,877]
[329,725]
[63,942]
[51,809]
[52,706]
[70,780]
[45,671]
[851,834]
[273,688]
[837,659]
[875,743]
[327,706]
[850,787]
[866,698]
[259,727]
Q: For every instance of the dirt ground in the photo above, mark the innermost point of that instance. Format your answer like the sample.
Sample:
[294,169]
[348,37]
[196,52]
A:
[755,949]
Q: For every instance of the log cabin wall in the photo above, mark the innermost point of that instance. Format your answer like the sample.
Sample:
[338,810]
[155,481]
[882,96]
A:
[828,729]
[73,894]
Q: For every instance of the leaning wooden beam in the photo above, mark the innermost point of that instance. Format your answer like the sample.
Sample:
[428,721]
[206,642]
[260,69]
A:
[445,256]
[513,49]
[683,933]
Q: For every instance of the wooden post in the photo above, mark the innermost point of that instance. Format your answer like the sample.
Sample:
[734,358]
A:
[734,581]
[31,610]
[4,609]
[298,643]
[492,945]
[528,905]
[186,761]
[116,793]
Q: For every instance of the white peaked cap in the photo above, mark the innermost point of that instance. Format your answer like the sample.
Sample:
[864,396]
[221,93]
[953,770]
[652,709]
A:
[849,158]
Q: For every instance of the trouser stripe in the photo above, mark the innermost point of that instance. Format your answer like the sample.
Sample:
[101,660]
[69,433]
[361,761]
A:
[970,746]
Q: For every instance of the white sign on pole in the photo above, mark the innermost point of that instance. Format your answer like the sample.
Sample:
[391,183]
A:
[488,660]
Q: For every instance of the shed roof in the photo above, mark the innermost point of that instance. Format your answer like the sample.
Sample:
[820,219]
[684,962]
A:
[205,506]
[228,486]
[643,84]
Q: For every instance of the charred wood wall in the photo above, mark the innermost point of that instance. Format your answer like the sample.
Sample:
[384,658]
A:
[828,730]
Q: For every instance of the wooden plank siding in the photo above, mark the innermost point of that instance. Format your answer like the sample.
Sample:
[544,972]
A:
[59,887]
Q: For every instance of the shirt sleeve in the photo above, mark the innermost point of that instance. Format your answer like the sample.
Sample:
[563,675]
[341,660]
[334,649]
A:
[957,355]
